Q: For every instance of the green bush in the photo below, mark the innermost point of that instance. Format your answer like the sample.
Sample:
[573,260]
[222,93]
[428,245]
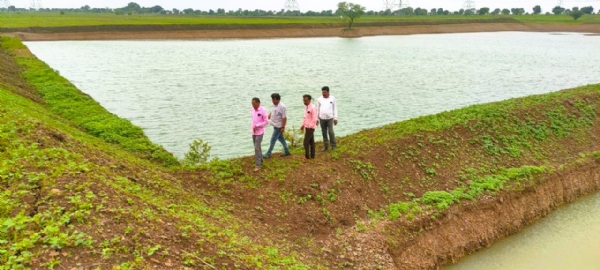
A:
[198,154]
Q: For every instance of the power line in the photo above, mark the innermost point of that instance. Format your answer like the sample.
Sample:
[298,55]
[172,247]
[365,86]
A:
[469,5]
[291,5]
[390,4]
[404,4]
[4,4]
[36,4]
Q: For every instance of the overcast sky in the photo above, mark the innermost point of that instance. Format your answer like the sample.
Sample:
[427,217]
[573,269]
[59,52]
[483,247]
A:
[305,5]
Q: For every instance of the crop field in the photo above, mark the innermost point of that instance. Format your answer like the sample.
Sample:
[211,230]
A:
[21,20]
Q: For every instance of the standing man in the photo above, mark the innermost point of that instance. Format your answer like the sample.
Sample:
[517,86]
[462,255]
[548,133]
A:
[278,117]
[328,117]
[309,124]
[259,122]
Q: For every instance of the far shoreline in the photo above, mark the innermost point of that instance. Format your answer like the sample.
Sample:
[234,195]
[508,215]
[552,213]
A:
[359,31]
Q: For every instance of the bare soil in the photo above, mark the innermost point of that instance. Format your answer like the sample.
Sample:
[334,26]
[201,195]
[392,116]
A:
[289,31]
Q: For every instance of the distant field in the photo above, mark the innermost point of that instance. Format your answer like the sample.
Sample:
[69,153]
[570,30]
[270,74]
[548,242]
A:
[16,20]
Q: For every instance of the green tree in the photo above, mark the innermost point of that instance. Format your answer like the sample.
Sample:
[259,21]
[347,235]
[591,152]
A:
[440,11]
[156,9]
[576,15]
[558,10]
[537,10]
[350,12]
[484,11]
[496,11]
[188,11]
[587,10]
[505,11]
[517,11]
[133,7]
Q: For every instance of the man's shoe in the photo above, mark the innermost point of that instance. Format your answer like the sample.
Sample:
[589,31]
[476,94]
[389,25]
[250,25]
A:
[324,149]
[266,156]
[333,148]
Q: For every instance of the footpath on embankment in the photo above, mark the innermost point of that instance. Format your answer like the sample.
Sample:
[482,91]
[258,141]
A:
[84,188]
[241,31]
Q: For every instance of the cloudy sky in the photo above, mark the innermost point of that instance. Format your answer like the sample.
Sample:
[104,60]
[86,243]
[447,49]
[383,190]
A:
[304,4]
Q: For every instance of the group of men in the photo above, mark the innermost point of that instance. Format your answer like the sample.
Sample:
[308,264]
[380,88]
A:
[324,114]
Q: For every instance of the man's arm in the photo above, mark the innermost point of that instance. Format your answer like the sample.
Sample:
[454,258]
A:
[264,121]
[315,116]
[318,111]
[283,124]
[335,111]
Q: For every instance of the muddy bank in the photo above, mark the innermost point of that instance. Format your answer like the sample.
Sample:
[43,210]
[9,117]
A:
[474,226]
[282,31]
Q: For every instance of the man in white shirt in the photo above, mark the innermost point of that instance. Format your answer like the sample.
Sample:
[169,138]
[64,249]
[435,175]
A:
[328,117]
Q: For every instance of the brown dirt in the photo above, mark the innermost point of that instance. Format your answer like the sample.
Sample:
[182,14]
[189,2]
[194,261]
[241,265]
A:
[328,231]
[473,226]
[11,80]
[286,32]
[423,244]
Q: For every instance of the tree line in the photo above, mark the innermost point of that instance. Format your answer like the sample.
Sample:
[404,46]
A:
[134,8]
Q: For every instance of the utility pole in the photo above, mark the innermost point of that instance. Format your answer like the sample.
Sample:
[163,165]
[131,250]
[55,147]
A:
[559,3]
[291,5]
[4,4]
[36,4]
[469,5]
[390,4]
[404,4]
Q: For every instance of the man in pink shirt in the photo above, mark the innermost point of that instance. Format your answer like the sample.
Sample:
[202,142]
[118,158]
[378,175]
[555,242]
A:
[309,124]
[259,121]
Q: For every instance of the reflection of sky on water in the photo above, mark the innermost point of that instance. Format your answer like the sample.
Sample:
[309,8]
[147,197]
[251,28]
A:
[182,90]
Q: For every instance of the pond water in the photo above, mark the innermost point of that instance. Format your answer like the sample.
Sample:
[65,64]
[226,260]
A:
[178,91]
[569,238]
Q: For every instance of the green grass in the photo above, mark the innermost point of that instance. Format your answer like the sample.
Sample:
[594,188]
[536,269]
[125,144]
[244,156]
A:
[502,146]
[14,20]
[64,99]
[57,193]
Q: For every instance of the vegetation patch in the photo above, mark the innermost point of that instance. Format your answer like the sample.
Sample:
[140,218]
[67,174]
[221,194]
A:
[66,100]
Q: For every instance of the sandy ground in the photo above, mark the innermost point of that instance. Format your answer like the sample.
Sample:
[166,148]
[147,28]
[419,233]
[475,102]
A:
[318,32]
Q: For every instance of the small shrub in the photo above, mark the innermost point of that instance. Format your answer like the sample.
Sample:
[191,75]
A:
[198,154]
[294,137]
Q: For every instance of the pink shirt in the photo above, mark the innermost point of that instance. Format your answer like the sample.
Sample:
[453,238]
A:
[259,120]
[310,117]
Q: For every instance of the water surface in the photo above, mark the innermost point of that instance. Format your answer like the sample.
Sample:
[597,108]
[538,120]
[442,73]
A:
[569,238]
[178,91]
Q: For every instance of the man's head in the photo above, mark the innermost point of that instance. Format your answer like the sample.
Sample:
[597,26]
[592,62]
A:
[306,99]
[325,91]
[275,98]
[255,103]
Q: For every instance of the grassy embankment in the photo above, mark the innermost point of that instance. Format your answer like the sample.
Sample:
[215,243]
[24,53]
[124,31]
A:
[78,192]
[74,195]
[24,20]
